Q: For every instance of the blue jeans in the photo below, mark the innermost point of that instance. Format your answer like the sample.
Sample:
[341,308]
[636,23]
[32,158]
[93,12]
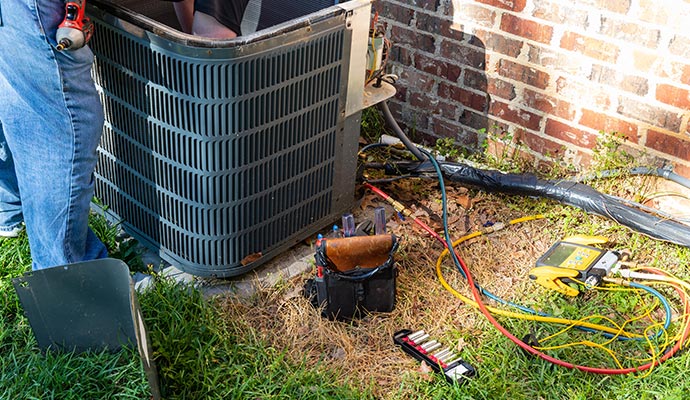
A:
[51,120]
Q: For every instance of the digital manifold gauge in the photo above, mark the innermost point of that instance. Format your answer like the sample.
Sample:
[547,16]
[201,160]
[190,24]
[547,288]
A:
[572,262]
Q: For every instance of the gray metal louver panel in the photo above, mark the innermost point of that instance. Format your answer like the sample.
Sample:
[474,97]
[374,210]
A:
[213,154]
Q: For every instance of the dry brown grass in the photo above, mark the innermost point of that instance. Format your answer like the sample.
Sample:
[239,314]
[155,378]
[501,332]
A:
[363,351]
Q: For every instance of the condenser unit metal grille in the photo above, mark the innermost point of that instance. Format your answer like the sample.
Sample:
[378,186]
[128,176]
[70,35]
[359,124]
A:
[218,155]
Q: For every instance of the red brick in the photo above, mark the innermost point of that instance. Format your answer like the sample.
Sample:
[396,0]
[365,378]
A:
[548,104]
[462,54]
[401,55]
[644,60]
[417,40]
[668,144]
[432,104]
[473,119]
[497,43]
[650,11]
[606,123]
[683,170]
[680,46]
[500,88]
[540,144]
[511,113]
[452,129]
[433,24]
[431,5]
[546,57]
[651,114]
[685,77]
[583,92]
[523,73]
[638,85]
[512,5]
[617,6]
[559,13]
[423,100]
[570,134]
[673,95]
[631,32]
[478,14]
[417,80]
[466,97]
[474,79]
[394,11]
[591,47]
[531,30]
[434,66]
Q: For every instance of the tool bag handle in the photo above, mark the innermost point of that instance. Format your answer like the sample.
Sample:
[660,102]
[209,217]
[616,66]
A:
[343,258]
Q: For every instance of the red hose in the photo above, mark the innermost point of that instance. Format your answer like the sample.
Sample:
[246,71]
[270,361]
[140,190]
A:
[504,331]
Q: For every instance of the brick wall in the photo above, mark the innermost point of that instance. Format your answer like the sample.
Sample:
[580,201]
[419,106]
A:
[552,73]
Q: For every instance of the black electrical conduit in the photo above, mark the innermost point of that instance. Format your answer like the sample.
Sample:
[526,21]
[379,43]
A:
[566,192]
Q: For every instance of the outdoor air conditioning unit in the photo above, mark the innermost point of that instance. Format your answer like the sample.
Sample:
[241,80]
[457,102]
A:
[221,154]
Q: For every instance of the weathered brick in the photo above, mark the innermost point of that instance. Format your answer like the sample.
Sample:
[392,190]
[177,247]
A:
[563,61]
[431,5]
[431,23]
[540,144]
[527,29]
[424,100]
[547,104]
[437,67]
[591,47]
[617,6]
[669,144]
[512,5]
[474,79]
[614,77]
[418,80]
[417,40]
[570,134]
[452,129]
[559,13]
[496,42]
[500,88]
[682,169]
[673,95]
[473,119]
[651,114]
[394,11]
[463,54]
[514,114]
[631,32]
[606,123]
[587,93]
[467,98]
[522,73]
[401,55]
[478,14]
[685,77]
[680,46]
[651,11]
[644,60]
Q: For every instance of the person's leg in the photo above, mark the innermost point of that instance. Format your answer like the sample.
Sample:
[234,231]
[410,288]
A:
[10,204]
[52,119]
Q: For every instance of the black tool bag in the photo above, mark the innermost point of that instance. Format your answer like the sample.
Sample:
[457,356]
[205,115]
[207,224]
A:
[354,276]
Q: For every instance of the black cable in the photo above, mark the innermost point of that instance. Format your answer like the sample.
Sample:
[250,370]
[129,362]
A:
[399,132]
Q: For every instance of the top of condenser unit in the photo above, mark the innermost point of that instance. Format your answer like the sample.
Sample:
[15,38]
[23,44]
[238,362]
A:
[158,17]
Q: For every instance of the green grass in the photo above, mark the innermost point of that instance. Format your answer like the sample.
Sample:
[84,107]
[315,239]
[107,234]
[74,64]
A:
[198,356]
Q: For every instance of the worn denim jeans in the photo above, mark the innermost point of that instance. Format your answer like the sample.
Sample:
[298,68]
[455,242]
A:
[51,120]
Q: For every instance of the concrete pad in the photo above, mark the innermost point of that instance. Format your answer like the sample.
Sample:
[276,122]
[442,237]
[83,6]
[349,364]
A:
[293,262]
